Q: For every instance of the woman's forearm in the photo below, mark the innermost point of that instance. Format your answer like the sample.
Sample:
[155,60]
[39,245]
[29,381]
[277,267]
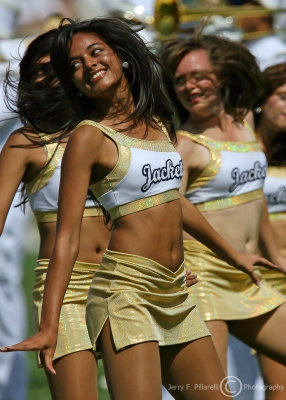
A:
[57,280]
[196,225]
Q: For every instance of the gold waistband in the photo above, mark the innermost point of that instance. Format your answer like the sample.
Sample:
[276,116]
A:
[137,261]
[228,202]
[279,216]
[51,216]
[43,263]
[142,204]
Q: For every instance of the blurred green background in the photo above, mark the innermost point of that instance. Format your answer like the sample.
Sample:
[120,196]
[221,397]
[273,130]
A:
[38,387]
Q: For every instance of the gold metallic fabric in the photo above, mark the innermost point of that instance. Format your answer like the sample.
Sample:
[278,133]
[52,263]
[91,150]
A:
[73,335]
[275,278]
[143,300]
[221,204]
[146,202]
[51,216]
[54,155]
[279,216]
[224,292]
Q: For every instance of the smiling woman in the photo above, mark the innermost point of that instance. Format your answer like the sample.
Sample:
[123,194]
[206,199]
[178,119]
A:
[39,100]
[270,124]
[214,84]
[141,319]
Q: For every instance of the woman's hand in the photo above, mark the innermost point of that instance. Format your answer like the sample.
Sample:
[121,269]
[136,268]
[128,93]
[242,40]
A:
[191,279]
[41,341]
[246,262]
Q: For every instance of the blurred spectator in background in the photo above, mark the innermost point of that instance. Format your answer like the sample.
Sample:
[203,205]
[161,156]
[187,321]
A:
[260,37]
[33,12]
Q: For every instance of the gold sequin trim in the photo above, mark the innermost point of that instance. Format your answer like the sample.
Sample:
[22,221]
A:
[129,141]
[115,176]
[54,155]
[51,216]
[227,202]
[215,147]
[213,166]
[279,216]
[222,145]
[145,203]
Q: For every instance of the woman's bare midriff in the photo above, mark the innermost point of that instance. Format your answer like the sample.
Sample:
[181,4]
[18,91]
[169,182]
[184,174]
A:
[135,234]
[94,238]
[238,225]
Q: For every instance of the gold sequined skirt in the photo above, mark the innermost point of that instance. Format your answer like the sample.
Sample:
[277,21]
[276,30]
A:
[275,278]
[72,335]
[223,292]
[143,301]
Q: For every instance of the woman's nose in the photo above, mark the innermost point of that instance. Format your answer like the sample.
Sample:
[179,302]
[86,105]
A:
[190,83]
[89,62]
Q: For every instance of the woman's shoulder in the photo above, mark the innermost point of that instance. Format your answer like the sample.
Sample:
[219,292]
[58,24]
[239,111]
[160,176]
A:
[86,136]
[191,142]
[24,136]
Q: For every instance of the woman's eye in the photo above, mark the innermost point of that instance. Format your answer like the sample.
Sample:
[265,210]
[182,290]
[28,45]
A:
[95,52]
[179,81]
[74,66]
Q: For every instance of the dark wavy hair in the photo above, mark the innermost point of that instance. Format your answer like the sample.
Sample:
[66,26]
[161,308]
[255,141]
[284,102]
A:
[38,98]
[273,77]
[234,67]
[40,103]
[143,74]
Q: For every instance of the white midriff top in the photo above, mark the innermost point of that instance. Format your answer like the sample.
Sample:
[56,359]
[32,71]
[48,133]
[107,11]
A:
[43,190]
[234,175]
[275,189]
[147,173]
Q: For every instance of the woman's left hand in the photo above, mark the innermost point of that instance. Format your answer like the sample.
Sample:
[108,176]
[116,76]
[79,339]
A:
[191,279]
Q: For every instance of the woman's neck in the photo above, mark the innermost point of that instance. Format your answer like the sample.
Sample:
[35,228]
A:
[219,123]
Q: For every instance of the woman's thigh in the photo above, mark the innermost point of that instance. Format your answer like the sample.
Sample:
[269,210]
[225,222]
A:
[76,377]
[219,332]
[265,333]
[193,371]
[132,373]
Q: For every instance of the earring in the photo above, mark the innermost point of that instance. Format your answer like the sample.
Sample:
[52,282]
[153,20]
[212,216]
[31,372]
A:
[125,65]
[79,94]
[257,110]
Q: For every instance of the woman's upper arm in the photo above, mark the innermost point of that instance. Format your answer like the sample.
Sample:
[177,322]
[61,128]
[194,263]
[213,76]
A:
[190,155]
[13,166]
[77,165]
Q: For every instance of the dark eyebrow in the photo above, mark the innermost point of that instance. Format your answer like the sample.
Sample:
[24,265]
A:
[198,72]
[88,47]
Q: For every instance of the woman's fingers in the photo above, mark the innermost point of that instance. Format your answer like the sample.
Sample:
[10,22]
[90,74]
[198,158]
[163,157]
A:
[38,342]
[191,279]
[25,345]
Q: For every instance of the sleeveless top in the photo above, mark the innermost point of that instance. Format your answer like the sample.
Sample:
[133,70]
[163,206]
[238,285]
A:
[147,173]
[234,175]
[43,190]
[275,192]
